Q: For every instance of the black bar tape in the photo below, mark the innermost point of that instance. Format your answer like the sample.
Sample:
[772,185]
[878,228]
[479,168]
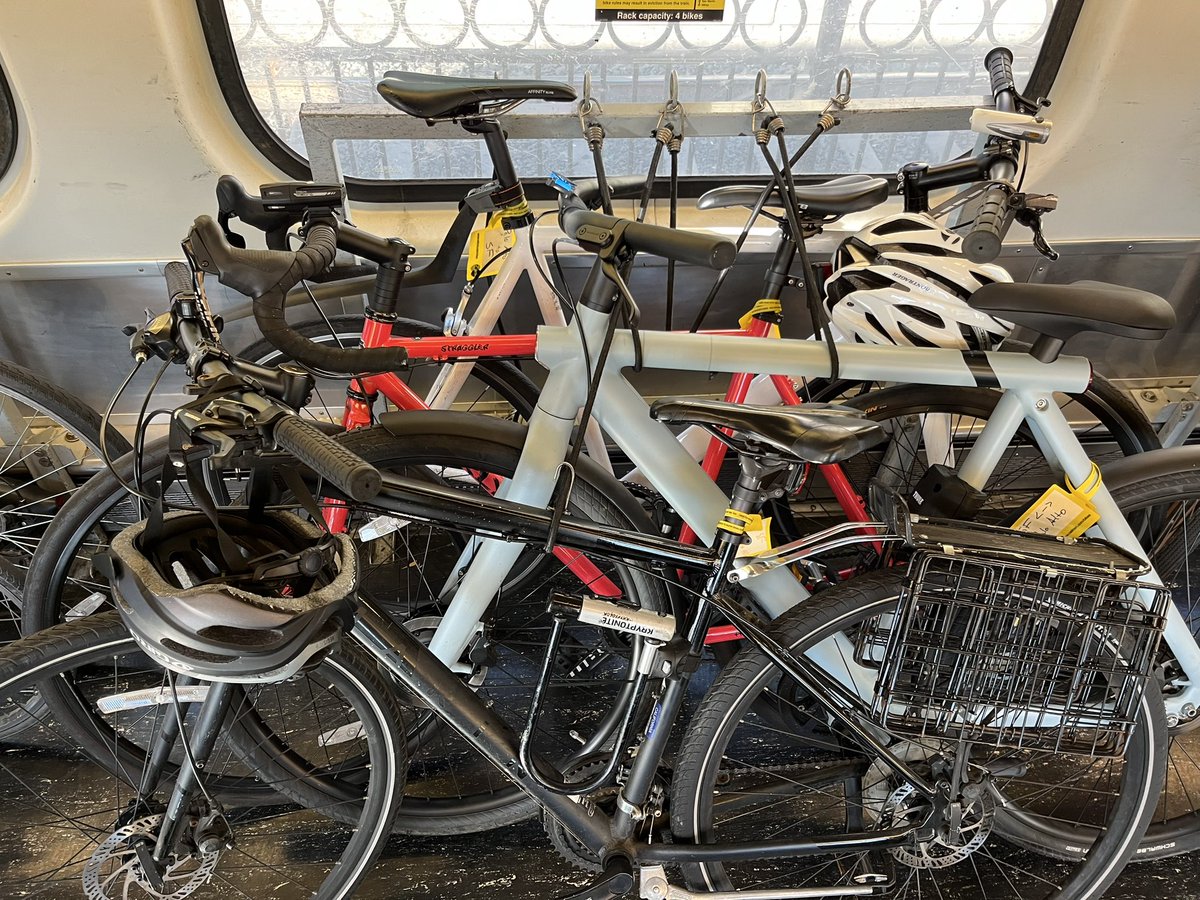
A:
[179,279]
[267,275]
[986,238]
[358,478]
[685,246]
[269,314]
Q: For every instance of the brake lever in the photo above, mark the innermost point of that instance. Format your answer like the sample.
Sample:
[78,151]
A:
[234,239]
[1030,209]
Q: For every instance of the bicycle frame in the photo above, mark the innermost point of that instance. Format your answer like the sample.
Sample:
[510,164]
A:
[377,333]
[1029,386]
[437,687]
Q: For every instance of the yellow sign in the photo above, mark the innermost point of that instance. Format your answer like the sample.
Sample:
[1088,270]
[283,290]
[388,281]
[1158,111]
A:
[487,247]
[1063,513]
[660,10]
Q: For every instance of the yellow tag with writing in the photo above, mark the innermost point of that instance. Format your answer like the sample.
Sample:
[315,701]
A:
[486,248]
[758,530]
[1063,512]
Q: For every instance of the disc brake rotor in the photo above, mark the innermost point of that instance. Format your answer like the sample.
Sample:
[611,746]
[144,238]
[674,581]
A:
[948,845]
[115,872]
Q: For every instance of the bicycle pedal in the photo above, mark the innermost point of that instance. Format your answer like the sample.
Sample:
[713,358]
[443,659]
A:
[615,881]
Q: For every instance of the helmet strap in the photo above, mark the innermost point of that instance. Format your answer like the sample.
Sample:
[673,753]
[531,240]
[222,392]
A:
[188,461]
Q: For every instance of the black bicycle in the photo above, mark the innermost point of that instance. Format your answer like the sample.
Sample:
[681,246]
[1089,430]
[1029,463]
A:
[862,745]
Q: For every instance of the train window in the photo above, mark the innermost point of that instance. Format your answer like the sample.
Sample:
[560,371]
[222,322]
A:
[8,125]
[273,55]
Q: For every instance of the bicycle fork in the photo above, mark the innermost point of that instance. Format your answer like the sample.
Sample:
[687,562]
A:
[155,860]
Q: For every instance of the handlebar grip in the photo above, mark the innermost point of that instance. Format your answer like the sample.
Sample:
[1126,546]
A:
[358,478]
[983,243]
[620,187]
[999,65]
[707,250]
[179,279]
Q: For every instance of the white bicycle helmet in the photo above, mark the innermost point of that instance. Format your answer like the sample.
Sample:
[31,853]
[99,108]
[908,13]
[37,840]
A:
[903,280]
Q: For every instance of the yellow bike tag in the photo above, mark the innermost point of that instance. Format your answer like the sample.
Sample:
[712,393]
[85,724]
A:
[762,306]
[758,530]
[1063,512]
[486,246]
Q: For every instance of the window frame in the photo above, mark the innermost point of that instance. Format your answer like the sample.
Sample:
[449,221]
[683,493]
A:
[223,55]
[10,120]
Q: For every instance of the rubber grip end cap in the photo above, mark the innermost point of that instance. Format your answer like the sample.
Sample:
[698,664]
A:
[981,246]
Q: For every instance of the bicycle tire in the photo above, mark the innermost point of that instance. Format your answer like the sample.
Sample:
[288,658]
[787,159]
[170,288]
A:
[1164,509]
[705,776]
[422,439]
[65,427]
[347,689]
[501,378]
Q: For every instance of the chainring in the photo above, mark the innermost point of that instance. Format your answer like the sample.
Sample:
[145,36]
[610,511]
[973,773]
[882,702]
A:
[565,843]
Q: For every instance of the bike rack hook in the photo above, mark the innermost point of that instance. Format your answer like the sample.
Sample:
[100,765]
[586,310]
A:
[588,105]
[841,99]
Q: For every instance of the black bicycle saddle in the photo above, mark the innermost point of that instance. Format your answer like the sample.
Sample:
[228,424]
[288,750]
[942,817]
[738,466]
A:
[851,193]
[450,97]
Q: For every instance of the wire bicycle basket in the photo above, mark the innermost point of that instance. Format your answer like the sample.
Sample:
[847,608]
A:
[1015,640]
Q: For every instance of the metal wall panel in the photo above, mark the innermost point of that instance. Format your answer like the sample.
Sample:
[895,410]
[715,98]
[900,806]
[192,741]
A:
[69,329]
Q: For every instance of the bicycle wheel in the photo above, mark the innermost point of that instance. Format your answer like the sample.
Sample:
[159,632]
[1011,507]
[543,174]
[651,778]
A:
[49,445]
[495,387]
[1164,510]
[745,776]
[76,823]
[409,569]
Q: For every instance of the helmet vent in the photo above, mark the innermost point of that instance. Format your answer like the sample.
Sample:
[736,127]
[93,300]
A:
[242,637]
[191,653]
[913,338]
[897,226]
[922,315]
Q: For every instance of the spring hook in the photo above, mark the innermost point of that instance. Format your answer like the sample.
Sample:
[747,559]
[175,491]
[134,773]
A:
[589,110]
[838,102]
[841,97]
[669,128]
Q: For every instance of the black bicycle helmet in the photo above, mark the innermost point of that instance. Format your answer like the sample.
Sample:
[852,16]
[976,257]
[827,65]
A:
[281,602]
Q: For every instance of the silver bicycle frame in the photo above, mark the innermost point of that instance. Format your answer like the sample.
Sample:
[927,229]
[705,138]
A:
[1029,386]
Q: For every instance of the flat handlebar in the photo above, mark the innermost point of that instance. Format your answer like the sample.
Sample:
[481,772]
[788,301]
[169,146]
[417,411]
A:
[357,478]
[986,238]
[593,229]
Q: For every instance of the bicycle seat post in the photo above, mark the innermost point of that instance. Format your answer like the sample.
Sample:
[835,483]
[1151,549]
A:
[506,193]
